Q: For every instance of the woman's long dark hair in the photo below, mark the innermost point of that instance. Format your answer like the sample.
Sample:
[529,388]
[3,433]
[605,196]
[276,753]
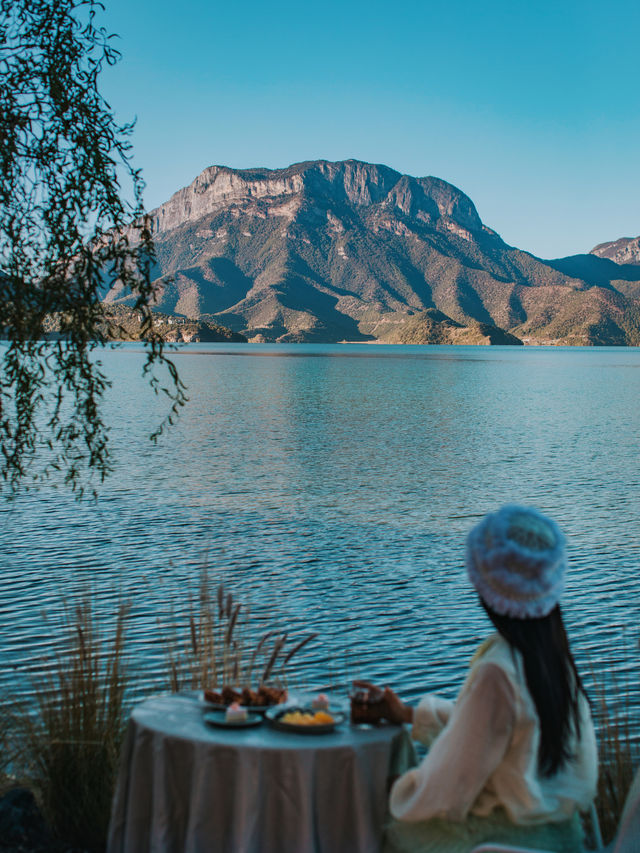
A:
[552,679]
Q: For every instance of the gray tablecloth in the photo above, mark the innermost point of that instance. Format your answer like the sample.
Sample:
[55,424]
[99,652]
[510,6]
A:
[185,787]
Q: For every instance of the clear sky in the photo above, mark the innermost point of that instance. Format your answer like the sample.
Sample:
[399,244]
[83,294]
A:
[531,108]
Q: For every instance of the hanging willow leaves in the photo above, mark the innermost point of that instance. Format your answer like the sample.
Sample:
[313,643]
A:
[68,231]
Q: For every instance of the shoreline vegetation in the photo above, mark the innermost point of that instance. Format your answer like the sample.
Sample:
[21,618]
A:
[124,324]
[426,328]
[59,754]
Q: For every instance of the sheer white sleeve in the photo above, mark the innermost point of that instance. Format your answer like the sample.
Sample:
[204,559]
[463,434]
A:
[430,717]
[464,755]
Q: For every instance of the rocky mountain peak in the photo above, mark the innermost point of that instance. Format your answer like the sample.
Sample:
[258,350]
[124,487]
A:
[346,182]
[625,250]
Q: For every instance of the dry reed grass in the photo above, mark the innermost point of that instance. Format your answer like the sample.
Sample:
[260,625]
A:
[73,739]
[9,751]
[218,648]
[619,751]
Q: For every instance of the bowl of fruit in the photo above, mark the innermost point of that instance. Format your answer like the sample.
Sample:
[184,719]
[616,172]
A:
[304,720]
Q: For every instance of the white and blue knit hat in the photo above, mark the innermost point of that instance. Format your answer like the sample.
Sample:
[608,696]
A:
[516,560]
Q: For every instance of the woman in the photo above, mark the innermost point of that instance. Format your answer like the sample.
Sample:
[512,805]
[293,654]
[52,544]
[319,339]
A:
[515,758]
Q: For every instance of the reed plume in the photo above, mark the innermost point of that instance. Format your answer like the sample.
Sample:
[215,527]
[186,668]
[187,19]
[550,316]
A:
[219,649]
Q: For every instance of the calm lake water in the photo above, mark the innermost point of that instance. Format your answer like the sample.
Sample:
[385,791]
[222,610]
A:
[331,488]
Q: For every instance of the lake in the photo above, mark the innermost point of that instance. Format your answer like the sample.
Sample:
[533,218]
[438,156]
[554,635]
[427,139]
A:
[331,488]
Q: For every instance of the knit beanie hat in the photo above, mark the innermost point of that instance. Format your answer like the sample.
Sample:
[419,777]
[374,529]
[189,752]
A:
[516,560]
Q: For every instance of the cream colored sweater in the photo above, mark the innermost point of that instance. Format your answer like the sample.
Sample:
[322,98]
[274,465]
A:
[484,751]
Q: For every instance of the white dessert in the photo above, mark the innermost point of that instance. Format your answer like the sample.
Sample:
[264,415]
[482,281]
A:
[235,713]
[321,702]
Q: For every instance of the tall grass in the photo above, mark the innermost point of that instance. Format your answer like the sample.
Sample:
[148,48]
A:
[9,750]
[218,648]
[74,737]
[619,750]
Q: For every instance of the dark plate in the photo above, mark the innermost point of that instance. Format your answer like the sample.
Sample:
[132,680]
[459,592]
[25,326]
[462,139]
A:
[218,718]
[275,714]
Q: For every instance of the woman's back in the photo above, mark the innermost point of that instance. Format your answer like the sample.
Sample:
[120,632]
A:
[485,755]
[527,795]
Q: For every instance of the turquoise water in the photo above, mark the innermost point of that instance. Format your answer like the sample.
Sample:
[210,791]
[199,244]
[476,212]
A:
[332,487]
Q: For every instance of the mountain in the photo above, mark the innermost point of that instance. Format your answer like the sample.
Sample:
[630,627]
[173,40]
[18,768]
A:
[325,251]
[626,250]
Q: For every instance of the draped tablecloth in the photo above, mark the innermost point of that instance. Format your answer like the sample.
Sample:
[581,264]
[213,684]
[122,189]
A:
[185,787]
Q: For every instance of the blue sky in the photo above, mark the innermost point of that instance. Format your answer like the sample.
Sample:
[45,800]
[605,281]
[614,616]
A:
[532,109]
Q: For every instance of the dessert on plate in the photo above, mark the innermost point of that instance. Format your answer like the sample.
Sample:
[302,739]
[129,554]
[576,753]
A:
[320,702]
[263,697]
[235,713]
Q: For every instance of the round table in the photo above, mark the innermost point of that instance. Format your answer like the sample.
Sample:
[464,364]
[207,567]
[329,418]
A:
[185,787]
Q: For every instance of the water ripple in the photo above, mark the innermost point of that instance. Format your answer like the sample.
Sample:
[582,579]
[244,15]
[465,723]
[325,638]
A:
[333,491]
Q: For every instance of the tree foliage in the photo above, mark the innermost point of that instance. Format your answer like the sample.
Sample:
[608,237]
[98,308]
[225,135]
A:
[67,231]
